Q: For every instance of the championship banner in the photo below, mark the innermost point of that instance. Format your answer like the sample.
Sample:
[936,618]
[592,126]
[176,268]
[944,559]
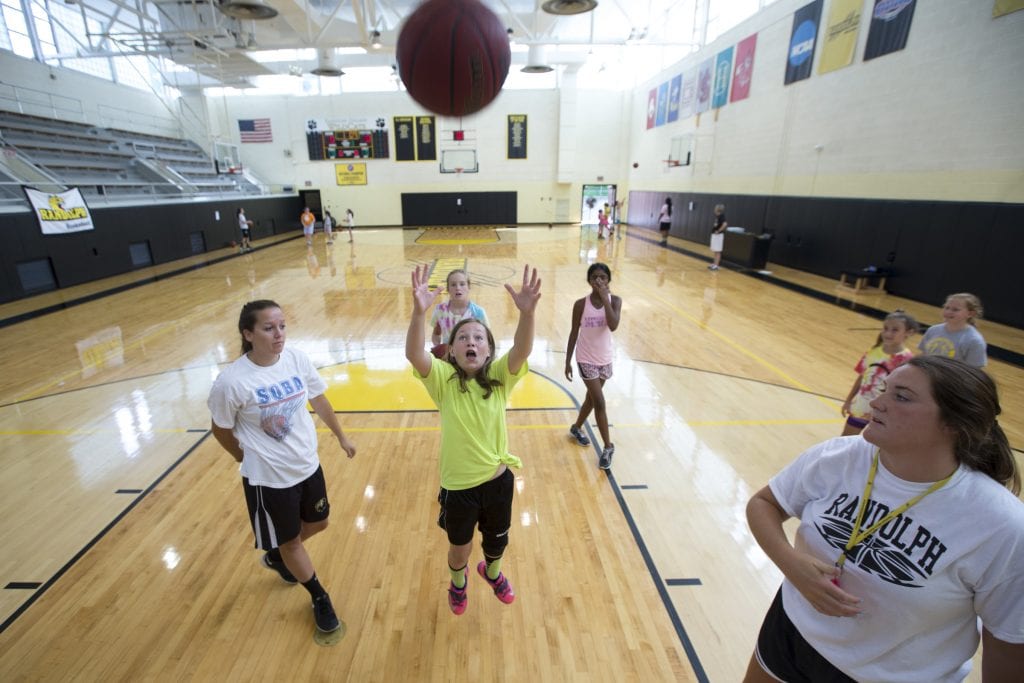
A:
[516,136]
[350,174]
[743,71]
[59,213]
[704,85]
[675,89]
[688,99]
[652,107]
[426,138]
[1006,6]
[405,138]
[890,26]
[840,41]
[723,69]
[662,115]
[802,41]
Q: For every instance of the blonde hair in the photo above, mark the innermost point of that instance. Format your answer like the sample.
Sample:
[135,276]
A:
[972,303]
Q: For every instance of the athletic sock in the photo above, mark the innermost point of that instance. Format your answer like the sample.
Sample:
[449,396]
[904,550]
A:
[314,587]
[493,568]
[458,576]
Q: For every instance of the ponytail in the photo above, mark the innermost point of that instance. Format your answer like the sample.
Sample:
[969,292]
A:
[247,319]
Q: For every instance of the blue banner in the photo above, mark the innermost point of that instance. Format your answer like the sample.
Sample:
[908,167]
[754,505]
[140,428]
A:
[723,70]
[802,40]
[659,119]
[675,89]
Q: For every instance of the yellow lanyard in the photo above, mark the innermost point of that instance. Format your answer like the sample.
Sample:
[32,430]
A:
[856,536]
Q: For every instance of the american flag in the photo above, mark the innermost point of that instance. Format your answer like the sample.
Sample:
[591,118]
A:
[255,130]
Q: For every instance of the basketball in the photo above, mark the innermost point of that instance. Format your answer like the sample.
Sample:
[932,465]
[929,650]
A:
[453,56]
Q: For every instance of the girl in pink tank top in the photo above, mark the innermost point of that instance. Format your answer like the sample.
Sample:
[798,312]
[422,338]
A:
[594,318]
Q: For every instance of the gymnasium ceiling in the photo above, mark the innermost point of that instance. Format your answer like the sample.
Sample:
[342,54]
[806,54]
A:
[220,50]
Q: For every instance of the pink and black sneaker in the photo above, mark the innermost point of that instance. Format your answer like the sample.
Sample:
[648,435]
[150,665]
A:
[502,588]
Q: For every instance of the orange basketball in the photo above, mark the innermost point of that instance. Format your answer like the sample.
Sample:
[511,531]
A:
[453,56]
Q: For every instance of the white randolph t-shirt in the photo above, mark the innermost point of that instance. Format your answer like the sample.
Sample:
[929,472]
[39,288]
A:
[923,578]
[265,407]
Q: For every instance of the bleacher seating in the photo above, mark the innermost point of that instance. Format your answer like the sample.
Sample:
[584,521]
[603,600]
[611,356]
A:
[106,161]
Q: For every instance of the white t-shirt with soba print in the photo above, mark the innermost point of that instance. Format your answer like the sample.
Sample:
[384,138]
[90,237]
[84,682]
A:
[265,408]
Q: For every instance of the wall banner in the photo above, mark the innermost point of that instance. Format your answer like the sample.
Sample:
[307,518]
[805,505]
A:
[405,138]
[652,107]
[426,138]
[704,77]
[59,213]
[723,69]
[675,89]
[662,113]
[802,41]
[890,26]
[517,136]
[840,39]
[743,71]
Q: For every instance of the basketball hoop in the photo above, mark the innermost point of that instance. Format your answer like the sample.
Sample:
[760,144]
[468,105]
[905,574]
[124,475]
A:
[458,171]
[672,163]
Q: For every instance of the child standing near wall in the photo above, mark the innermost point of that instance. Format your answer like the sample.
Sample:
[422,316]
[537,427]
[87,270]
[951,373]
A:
[350,222]
[957,337]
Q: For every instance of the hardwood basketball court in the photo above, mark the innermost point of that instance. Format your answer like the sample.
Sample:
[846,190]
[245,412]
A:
[128,555]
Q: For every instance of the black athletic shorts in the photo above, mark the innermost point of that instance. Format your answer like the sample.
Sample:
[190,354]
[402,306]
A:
[277,515]
[783,652]
[489,505]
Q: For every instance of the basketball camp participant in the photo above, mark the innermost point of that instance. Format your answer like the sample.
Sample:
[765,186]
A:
[258,404]
[471,390]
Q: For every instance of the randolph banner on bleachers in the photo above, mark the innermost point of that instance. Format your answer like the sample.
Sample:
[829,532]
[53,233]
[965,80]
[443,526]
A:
[59,213]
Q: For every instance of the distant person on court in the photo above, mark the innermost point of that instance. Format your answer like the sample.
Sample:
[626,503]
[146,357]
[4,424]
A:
[245,227]
[665,219]
[471,390]
[447,314]
[718,235]
[909,534]
[602,224]
[308,221]
[889,352]
[328,226]
[350,222]
[258,404]
[957,337]
[594,318]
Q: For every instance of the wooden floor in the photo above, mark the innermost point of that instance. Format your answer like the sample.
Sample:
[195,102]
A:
[127,555]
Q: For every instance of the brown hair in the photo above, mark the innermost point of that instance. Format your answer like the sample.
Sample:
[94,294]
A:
[908,322]
[481,376]
[247,319]
[968,405]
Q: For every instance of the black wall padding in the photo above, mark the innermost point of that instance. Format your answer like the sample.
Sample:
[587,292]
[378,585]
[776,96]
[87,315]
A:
[935,248]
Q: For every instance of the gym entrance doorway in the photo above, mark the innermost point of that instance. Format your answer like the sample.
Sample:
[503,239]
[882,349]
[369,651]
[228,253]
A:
[595,197]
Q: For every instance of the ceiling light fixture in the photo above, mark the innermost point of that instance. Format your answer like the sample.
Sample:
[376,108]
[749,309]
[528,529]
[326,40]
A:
[375,40]
[247,9]
[565,7]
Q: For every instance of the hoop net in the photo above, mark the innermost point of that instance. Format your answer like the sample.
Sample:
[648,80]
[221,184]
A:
[458,170]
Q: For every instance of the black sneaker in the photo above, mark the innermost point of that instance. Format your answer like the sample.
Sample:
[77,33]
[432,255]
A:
[324,616]
[279,567]
[579,436]
[605,462]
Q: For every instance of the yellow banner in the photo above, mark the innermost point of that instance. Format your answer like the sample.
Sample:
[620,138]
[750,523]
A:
[350,174]
[1006,6]
[840,35]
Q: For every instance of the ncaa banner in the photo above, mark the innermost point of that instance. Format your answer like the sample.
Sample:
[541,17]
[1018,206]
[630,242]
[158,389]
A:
[723,69]
[802,41]
[59,213]
[675,89]
[743,70]
[652,107]
[659,119]
[704,85]
[840,41]
[890,26]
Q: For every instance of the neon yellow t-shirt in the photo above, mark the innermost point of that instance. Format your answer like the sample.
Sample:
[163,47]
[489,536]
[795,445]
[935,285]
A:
[474,435]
